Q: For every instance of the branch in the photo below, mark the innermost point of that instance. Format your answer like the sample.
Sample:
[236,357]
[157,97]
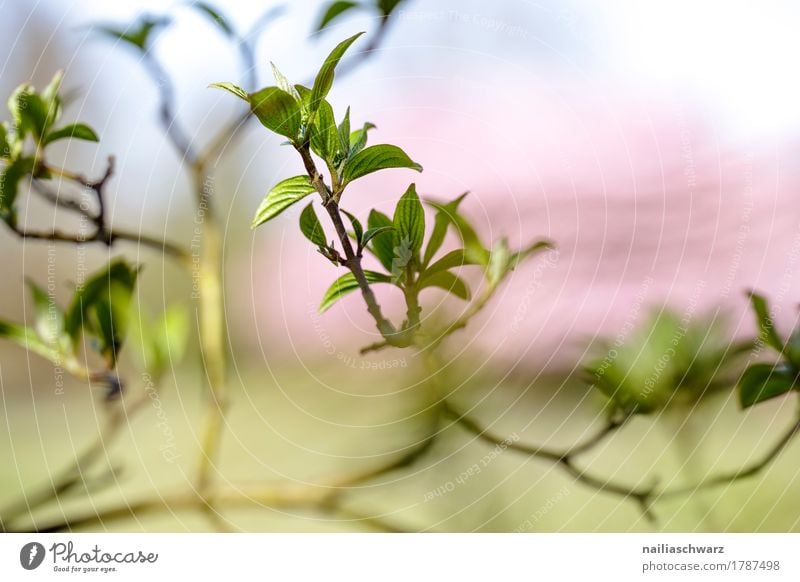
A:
[352,259]
[739,474]
[565,459]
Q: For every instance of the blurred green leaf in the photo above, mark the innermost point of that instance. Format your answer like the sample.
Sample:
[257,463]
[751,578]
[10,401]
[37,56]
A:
[333,11]
[761,382]
[383,242]
[72,131]
[27,338]
[281,197]
[101,308]
[347,284]
[139,33]
[447,281]
[499,262]
[10,178]
[161,344]
[49,322]
[375,158]
[311,227]
[388,6]
[409,220]
[278,111]
[215,17]
[520,256]
[453,259]
[766,327]
[5,146]
[324,80]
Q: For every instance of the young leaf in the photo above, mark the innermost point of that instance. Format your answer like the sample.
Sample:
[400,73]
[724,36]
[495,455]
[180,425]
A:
[444,216]
[373,232]
[281,197]
[72,131]
[334,10]
[214,16]
[324,80]
[101,308]
[358,139]
[520,256]
[499,262]
[283,82]
[347,284]
[358,230]
[278,111]
[447,281]
[49,318]
[766,327]
[311,227]
[325,136]
[375,158]
[5,146]
[234,89]
[764,381]
[409,219]
[29,112]
[382,242]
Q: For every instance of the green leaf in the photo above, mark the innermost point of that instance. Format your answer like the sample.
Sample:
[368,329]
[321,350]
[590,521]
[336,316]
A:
[278,111]
[358,230]
[451,260]
[138,34]
[358,139]
[344,133]
[234,89]
[444,216]
[324,80]
[766,327]
[311,227]
[72,131]
[214,16]
[27,338]
[101,308]
[388,6]
[499,262]
[347,284]
[761,382]
[49,324]
[162,343]
[382,243]
[5,146]
[409,219]
[325,136]
[374,158]
[334,10]
[10,178]
[373,232]
[477,253]
[283,83]
[281,197]
[447,281]
[30,112]
[520,256]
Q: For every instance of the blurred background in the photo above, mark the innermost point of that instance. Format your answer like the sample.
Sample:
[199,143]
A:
[655,143]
